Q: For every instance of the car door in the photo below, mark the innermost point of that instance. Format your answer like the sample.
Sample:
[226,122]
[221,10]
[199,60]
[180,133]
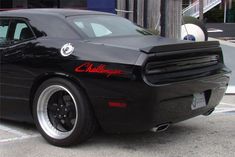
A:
[16,75]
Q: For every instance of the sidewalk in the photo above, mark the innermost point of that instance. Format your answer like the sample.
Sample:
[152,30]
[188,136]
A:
[223,42]
[229,99]
[227,105]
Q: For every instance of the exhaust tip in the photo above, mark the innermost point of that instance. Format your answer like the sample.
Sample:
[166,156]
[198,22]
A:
[161,128]
[209,112]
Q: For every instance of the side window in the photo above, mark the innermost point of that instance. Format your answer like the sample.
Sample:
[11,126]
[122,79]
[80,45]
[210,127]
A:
[21,32]
[4,27]
[18,30]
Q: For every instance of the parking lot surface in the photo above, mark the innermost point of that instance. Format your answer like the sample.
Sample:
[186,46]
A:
[212,136]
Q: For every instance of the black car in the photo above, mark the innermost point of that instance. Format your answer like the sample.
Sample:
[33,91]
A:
[69,71]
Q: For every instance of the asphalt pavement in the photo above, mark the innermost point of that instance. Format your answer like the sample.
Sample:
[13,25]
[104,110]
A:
[221,30]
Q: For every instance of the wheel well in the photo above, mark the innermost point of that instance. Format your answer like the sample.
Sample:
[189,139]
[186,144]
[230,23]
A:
[42,79]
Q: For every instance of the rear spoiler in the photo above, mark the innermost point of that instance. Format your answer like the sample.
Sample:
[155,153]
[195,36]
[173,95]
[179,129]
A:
[181,46]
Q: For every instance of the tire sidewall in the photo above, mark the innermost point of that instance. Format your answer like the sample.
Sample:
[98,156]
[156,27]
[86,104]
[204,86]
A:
[80,102]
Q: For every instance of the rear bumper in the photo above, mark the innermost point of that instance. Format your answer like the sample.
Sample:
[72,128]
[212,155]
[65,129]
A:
[149,106]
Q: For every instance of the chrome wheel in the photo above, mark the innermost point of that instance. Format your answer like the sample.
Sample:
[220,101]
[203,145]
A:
[57,112]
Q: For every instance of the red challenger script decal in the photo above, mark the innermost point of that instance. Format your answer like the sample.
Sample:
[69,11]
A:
[100,69]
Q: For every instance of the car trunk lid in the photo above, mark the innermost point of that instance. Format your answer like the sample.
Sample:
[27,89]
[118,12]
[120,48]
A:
[151,44]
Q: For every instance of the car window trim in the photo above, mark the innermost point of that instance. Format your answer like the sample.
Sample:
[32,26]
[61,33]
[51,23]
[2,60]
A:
[28,25]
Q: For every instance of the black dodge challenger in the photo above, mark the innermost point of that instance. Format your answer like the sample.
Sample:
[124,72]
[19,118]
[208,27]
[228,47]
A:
[69,71]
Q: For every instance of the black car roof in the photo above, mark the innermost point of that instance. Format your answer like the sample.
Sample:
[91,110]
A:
[51,11]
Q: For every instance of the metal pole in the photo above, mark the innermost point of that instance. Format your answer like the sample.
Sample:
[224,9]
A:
[163,19]
[135,11]
[225,11]
[230,4]
[145,13]
[127,9]
[201,9]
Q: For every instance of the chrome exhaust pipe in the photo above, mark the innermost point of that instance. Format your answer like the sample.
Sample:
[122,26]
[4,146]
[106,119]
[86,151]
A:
[209,112]
[161,128]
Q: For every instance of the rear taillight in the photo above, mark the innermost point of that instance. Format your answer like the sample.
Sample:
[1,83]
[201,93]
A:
[116,104]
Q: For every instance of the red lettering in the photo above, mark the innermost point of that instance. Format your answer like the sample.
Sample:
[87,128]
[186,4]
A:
[101,69]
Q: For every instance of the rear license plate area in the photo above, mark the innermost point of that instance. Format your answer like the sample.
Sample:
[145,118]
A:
[199,101]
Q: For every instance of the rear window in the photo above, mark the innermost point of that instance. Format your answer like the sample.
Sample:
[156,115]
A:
[95,26]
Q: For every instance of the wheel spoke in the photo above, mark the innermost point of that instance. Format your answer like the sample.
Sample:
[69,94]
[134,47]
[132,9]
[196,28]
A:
[60,98]
[52,108]
[70,106]
[68,124]
[72,115]
[55,122]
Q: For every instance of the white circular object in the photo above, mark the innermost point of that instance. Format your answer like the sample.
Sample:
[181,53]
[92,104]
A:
[67,50]
[193,30]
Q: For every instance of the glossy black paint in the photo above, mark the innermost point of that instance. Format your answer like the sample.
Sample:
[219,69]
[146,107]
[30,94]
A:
[26,65]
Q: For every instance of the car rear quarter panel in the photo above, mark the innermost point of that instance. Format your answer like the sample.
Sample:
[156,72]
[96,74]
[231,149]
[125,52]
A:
[42,60]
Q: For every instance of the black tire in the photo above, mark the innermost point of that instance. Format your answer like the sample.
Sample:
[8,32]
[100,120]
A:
[80,123]
[192,20]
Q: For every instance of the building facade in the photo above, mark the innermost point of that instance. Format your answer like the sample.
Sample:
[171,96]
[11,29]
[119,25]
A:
[42,3]
[224,12]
